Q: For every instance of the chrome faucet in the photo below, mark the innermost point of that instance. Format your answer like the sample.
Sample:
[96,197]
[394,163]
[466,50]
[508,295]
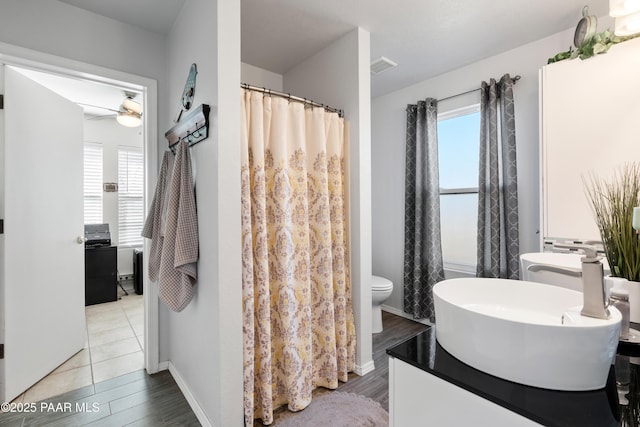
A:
[595,302]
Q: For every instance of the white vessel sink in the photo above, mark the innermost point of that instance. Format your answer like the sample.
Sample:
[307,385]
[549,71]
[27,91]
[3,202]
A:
[525,332]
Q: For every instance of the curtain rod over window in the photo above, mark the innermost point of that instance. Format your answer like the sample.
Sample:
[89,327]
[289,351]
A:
[292,98]
[513,80]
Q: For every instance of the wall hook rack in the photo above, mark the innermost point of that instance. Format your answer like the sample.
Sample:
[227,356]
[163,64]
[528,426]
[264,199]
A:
[193,128]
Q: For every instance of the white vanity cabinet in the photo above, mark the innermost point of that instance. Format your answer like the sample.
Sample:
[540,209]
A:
[429,387]
[590,122]
[418,398]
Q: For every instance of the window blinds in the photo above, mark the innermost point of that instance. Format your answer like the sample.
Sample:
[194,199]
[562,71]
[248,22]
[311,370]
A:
[92,183]
[130,196]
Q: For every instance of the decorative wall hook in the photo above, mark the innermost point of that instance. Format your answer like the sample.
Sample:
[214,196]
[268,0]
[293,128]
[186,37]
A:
[193,128]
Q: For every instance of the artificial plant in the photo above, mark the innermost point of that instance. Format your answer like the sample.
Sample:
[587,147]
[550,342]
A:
[612,202]
[598,44]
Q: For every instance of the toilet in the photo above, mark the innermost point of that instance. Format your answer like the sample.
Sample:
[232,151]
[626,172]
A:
[381,289]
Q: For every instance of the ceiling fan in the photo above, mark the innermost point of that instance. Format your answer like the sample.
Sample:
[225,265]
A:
[129,114]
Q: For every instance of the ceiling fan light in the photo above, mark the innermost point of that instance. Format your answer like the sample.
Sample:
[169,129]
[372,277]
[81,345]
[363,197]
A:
[130,114]
[130,105]
[129,119]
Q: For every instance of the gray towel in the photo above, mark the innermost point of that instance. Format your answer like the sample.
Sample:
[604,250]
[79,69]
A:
[154,226]
[178,265]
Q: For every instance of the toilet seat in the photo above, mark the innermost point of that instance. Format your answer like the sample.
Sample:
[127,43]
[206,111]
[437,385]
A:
[381,284]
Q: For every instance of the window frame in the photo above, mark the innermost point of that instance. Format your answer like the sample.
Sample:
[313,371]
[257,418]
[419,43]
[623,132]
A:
[446,115]
[452,114]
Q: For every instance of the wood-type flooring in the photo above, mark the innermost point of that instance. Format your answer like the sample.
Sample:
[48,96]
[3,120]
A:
[374,385]
[134,399]
[138,399]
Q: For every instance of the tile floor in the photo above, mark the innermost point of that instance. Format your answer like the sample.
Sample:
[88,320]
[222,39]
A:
[115,333]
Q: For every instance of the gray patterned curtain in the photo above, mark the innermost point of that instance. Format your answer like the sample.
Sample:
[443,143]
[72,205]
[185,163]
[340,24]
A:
[422,248]
[498,243]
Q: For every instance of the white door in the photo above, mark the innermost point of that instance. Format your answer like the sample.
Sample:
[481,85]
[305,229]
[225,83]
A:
[43,271]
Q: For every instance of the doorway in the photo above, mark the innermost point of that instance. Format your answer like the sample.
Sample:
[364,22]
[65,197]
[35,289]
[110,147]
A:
[141,314]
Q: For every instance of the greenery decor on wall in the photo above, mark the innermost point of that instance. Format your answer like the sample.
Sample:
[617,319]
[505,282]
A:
[613,202]
[598,44]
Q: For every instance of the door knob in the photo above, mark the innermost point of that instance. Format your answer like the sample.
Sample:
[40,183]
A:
[81,240]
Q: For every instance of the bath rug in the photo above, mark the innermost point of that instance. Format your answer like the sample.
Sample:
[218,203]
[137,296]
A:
[336,409]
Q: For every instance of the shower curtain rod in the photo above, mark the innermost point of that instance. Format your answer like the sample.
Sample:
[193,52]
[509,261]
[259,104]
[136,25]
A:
[292,98]
[513,80]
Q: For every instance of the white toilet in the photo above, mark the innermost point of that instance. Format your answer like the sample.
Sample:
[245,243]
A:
[381,289]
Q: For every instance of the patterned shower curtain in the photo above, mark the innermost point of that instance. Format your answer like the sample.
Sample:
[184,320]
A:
[298,324]
[423,266]
[498,241]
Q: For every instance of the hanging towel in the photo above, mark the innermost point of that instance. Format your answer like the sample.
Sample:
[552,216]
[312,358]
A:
[178,265]
[154,226]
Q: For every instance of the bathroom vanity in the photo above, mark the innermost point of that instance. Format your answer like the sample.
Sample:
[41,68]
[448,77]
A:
[429,387]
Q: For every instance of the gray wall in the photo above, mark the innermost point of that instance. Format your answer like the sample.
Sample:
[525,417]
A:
[204,342]
[339,76]
[256,76]
[388,147]
[60,29]
[205,339]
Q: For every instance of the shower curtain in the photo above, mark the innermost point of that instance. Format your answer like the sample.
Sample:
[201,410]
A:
[298,323]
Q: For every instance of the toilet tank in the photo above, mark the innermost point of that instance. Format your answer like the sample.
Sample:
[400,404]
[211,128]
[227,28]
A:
[555,268]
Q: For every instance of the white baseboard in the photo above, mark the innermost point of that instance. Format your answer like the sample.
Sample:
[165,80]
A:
[401,313]
[364,369]
[195,406]
[163,366]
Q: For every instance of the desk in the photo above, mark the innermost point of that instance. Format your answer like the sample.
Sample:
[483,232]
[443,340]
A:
[100,275]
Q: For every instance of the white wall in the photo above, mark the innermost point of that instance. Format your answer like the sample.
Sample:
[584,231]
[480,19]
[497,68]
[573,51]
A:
[204,342]
[205,339]
[339,76]
[45,31]
[111,135]
[60,29]
[260,77]
[388,145]
[228,347]
[63,30]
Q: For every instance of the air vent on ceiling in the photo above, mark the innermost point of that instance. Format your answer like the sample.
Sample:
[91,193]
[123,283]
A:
[381,64]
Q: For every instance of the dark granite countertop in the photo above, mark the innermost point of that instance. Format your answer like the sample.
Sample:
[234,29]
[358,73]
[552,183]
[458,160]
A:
[599,408]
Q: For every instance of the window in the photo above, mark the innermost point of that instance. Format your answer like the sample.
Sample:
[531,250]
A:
[130,196]
[92,183]
[458,158]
